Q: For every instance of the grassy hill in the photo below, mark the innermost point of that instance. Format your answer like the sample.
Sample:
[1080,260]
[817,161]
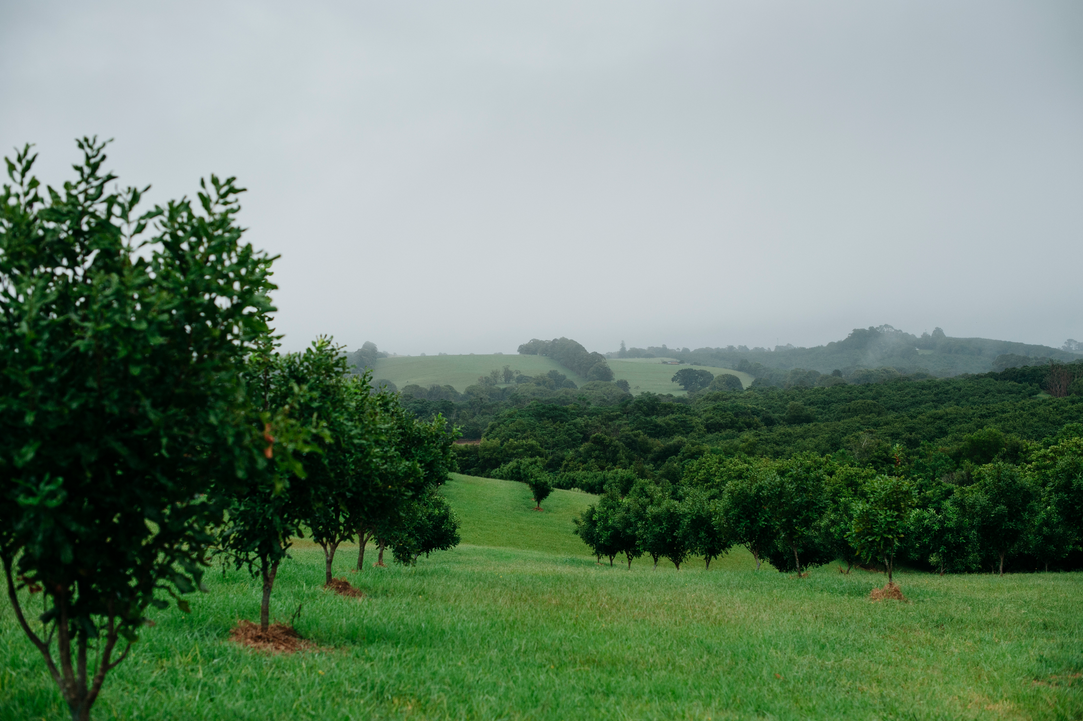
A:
[652,374]
[500,514]
[460,371]
[519,623]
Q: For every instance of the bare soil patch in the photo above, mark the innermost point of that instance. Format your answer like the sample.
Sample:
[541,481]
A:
[278,638]
[888,592]
[343,588]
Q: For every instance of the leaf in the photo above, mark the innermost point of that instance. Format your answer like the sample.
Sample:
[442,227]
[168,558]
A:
[26,454]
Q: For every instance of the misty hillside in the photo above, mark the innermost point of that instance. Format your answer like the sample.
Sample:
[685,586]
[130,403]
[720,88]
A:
[935,354]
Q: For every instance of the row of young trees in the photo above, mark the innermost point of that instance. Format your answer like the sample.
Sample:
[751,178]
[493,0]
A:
[147,421]
[358,466]
[810,510]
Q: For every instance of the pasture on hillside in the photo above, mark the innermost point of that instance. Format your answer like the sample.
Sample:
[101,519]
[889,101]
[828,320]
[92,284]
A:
[460,371]
[519,622]
[655,376]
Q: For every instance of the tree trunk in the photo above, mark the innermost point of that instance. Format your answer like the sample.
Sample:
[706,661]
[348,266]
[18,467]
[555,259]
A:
[380,558]
[629,563]
[755,555]
[611,560]
[708,566]
[656,562]
[329,558]
[362,541]
[1002,563]
[268,583]
[796,560]
[890,565]
[72,682]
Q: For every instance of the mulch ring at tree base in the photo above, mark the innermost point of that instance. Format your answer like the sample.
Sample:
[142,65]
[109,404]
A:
[343,588]
[278,638]
[888,592]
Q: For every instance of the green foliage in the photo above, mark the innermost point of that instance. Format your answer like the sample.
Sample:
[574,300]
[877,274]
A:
[265,514]
[610,528]
[122,336]
[365,357]
[797,502]
[572,356]
[530,472]
[745,505]
[703,524]
[880,520]
[943,534]
[541,486]
[428,525]
[1001,504]
[726,382]
[417,458]
[692,380]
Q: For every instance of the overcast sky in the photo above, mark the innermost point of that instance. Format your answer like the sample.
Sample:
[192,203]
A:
[462,176]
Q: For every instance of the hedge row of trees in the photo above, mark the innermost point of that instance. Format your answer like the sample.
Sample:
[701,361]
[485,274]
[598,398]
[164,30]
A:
[810,510]
[147,420]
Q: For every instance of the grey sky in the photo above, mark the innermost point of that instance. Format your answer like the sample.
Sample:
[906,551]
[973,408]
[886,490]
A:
[461,177]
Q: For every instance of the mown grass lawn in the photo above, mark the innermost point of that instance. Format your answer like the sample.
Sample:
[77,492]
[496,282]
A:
[544,633]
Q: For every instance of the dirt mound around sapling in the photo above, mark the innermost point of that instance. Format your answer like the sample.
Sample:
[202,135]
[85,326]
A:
[889,592]
[343,588]
[278,638]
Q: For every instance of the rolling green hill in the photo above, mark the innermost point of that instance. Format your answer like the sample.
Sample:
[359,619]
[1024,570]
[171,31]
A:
[653,375]
[460,371]
[501,514]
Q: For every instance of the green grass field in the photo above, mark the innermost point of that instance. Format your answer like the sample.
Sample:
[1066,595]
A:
[519,622]
[460,371]
[651,374]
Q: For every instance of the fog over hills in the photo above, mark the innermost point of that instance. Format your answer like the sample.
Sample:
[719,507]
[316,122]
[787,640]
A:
[456,177]
[883,349]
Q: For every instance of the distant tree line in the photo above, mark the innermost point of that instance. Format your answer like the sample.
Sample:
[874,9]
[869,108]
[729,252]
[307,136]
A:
[870,349]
